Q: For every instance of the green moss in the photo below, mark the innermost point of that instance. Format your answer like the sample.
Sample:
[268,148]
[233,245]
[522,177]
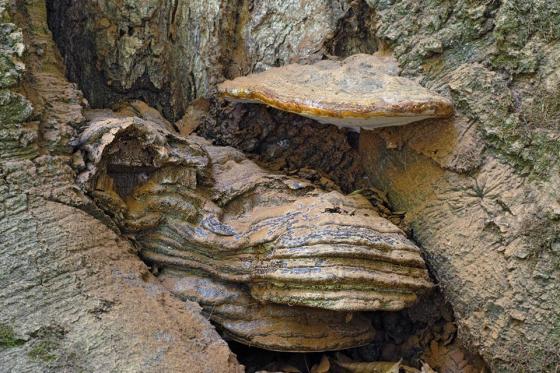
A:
[8,338]
[504,61]
[9,72]
[520,20]
[526,136]
[43,350]
[14,108]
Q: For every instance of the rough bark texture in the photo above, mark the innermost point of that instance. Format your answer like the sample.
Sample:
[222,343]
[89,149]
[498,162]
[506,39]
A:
[490,241]
[482,193]
[481,190]
[74,294]
[171,52]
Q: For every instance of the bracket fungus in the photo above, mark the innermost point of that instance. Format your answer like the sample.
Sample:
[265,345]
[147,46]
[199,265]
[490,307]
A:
[275,262]
[362,91]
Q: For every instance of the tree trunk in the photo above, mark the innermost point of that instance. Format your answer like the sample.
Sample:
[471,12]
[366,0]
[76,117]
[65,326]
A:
[481,191]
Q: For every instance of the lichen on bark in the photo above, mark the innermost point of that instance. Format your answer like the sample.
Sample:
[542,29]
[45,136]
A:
[498,59]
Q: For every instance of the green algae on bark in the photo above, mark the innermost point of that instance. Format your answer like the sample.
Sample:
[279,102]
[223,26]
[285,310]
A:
[495,53]
[8,337]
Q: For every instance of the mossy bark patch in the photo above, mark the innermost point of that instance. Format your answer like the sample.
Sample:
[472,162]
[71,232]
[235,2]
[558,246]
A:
[8,338]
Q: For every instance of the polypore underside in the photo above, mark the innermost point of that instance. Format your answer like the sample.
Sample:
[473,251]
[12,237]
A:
[361,91]
[274,261]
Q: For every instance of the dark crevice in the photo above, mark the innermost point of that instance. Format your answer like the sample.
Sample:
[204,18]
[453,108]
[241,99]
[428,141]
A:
[355,32]
[80,67]
[78,49]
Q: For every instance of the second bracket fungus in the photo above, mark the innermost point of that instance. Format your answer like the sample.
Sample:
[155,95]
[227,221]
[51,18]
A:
[362,91]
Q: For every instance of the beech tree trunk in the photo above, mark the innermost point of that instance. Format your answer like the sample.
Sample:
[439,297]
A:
[481,191]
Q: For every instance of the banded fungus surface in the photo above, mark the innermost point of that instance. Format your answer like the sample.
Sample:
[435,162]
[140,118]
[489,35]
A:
[361,92]
[274,261]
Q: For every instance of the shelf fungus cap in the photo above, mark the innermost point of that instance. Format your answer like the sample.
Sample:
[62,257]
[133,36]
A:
[362,91]
[274,261]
